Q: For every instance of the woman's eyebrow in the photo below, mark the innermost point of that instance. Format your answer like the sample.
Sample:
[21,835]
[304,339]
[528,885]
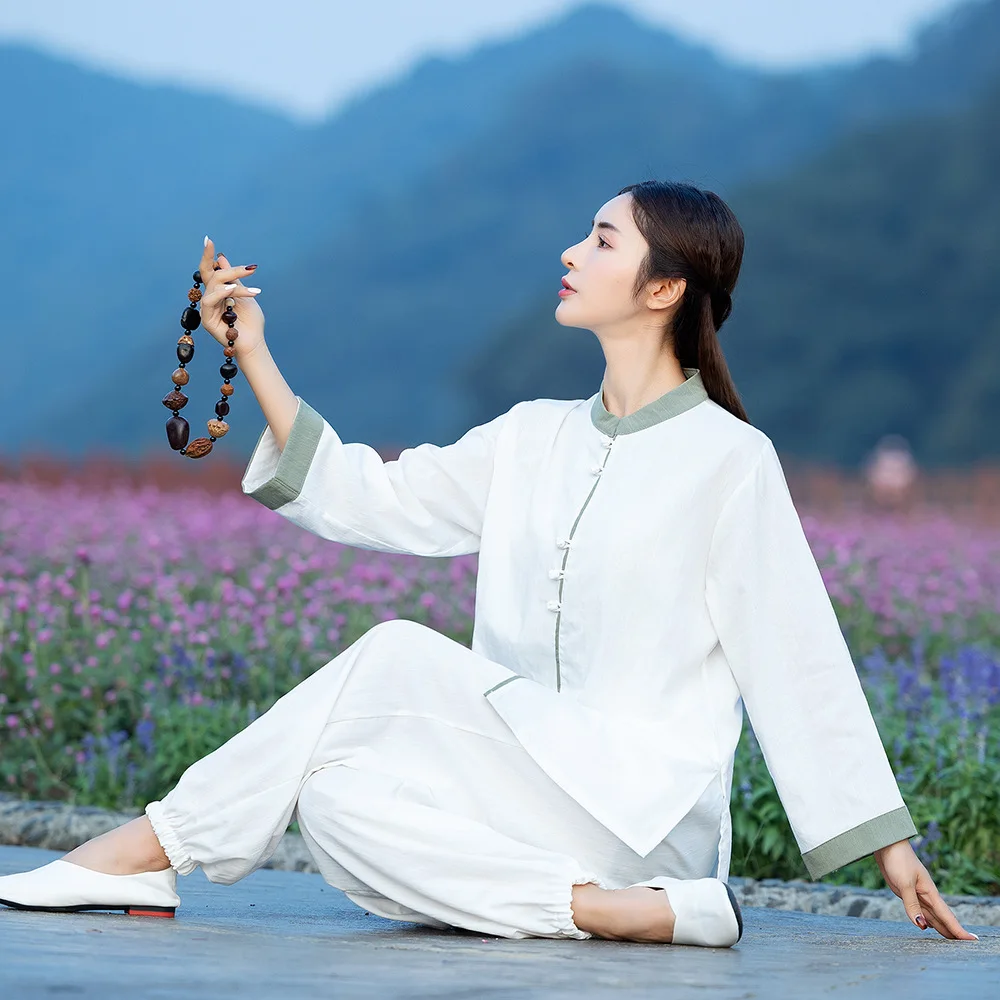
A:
[605,225]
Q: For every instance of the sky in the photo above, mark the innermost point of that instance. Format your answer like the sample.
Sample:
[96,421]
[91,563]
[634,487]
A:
[306,57]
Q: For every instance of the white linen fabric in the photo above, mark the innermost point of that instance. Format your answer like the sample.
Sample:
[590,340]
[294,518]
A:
[640,580]
[412,795]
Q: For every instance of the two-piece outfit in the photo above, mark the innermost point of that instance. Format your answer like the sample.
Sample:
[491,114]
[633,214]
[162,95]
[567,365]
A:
[641,579]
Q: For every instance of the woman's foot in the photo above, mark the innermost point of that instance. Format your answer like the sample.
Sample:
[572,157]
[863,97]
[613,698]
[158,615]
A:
[638,913]
[125,850]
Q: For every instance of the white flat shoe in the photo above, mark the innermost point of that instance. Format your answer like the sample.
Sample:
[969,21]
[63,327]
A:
[63,886]
[706,911]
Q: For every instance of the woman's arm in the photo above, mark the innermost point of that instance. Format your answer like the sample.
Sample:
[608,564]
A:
[783,642]
[430,501]
[273,394]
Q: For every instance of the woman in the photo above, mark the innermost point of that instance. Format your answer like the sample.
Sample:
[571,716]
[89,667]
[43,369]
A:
[643,575]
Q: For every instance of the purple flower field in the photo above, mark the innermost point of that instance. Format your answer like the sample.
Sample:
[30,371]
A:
[140,629]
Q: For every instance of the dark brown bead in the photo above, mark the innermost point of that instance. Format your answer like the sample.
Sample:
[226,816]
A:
[217,428]
[190,318]
[198,447]
[228,370]
[230,352]
[227,389]
[221,408]
[177,432]
[185,352]
[230,316]
[181,376]
[195,295]
[175,400]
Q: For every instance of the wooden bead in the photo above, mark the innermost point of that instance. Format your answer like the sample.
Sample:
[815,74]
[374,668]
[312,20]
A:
[177,431]
[195,295]
[174,400]
[186,338]
[198,447]
[217,428]
[227,389]
[180,376]
[230,352]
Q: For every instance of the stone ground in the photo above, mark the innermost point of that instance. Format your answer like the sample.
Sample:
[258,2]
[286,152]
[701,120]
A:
[288,934]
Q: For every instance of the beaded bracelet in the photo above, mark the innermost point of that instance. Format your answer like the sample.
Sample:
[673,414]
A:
[177,427]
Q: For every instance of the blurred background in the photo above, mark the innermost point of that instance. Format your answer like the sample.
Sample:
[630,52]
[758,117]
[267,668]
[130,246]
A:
[407,176]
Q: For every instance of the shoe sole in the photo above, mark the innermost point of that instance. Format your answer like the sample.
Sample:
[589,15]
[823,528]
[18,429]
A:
[130,909]
[736,910]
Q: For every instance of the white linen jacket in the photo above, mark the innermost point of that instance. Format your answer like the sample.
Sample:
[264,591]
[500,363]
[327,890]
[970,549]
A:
[643,578]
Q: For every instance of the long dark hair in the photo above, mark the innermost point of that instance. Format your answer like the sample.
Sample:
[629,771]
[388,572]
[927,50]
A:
[693,234]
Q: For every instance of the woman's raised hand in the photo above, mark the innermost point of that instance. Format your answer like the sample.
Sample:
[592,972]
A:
[220,285]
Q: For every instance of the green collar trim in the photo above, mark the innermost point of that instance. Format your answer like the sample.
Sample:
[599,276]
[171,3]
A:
[682,397]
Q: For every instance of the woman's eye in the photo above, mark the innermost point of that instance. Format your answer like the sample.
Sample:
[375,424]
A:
[601,239]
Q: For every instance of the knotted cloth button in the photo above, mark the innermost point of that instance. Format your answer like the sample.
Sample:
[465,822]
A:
[555,574]
[563,543]
[553,605]
[597,470]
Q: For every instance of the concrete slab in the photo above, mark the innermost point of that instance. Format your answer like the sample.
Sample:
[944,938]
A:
[289,934]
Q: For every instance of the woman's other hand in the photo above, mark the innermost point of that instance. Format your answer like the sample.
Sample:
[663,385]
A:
[249,317]
[907,877]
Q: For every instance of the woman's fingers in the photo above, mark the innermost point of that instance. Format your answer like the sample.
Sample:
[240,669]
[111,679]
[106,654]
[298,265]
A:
[207,261]
[940,916]
[225,290]
[224,268]
[226,272]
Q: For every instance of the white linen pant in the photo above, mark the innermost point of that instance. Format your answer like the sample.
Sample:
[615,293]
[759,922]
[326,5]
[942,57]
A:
[411,793]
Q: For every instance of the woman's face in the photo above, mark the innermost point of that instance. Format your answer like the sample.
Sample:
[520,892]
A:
[602,270]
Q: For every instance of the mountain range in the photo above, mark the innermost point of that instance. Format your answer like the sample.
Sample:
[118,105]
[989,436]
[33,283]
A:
[409,245]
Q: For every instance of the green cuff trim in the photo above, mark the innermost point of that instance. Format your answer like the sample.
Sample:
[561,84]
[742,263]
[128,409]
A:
[516,677]
[859,841]
[293,462]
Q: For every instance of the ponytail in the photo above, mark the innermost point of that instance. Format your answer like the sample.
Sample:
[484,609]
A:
[693,234]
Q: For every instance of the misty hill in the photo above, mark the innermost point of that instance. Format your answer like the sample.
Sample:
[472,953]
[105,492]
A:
[868,301]
[396,238]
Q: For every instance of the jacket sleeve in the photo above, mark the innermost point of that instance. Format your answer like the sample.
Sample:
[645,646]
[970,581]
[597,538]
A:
[429,501]
[781,637]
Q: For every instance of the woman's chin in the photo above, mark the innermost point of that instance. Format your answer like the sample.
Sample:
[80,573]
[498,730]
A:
[566,314]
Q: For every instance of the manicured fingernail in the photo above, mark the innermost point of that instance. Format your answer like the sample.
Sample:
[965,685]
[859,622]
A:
[976,936]
[233,285]
[249,289]
[249,267]
[206,241]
